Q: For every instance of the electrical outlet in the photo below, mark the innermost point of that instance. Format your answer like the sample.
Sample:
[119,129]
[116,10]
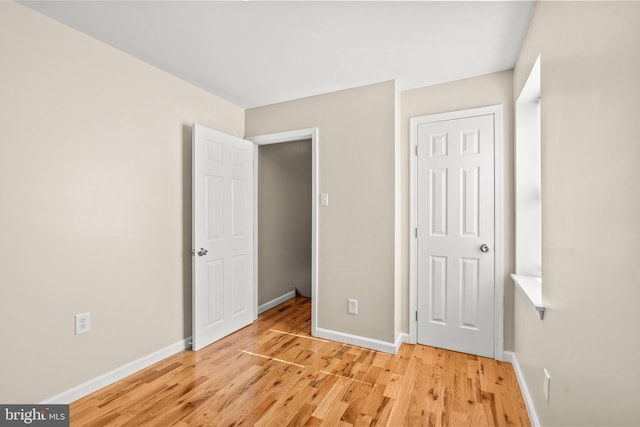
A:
[353,306]
[547,385]
[83,323]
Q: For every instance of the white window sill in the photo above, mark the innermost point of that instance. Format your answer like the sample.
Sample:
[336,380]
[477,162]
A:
[531,288]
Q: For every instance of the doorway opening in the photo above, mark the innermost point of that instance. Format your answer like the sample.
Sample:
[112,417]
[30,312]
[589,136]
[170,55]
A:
[285,221]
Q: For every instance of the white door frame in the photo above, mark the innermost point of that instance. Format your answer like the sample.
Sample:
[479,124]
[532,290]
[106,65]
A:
[276,138]
[496,111]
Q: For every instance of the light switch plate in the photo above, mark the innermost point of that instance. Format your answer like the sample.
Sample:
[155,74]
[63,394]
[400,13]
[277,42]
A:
[547,384]
[324,199]
[353,306]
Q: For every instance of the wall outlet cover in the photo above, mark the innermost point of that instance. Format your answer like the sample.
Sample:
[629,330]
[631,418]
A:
[83,323]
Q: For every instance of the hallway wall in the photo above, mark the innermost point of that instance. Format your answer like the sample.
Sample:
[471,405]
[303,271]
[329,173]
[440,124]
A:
[284,219]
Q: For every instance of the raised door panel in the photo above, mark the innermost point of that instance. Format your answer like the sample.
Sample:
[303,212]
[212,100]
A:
[470,198]
[238,211]
[438,202]
[438,290]
[239,286]
[469,293]
[215,291]
[214,207]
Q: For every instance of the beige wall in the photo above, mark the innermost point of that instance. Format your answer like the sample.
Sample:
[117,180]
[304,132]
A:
[356,231]
[475,92]
[95,194]
[589,339]
[95,166]
[284,220]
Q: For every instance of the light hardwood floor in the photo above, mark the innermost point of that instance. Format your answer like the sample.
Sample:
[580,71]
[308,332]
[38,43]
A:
[273,373]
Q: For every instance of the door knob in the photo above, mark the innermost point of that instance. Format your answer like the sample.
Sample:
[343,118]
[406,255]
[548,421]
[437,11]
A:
[202,252]
[484,248]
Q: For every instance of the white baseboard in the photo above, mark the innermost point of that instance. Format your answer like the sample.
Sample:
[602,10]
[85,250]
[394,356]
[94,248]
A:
[117,374]
[370,343]
[267,305]
[510,356]
[402,337]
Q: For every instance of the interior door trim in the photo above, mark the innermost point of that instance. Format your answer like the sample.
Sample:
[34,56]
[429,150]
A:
[276,138]
[496,111]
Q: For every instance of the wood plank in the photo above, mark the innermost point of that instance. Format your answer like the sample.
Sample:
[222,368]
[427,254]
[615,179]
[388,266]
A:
[275,373]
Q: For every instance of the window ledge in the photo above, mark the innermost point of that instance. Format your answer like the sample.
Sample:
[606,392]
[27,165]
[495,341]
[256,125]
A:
[531,288]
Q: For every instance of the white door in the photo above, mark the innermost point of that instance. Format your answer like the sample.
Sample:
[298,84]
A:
[223,296]
[455,245]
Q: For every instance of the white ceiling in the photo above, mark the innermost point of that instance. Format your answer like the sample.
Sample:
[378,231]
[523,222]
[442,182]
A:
[260,53]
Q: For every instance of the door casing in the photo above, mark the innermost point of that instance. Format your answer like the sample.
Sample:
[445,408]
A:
[496,111]
[283,137]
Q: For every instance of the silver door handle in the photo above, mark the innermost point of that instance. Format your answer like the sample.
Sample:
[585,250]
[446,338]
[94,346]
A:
[484,248]
[202,252]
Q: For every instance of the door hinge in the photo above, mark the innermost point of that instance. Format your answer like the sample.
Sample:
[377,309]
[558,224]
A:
[416,150]
[416,315]
[416,232]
